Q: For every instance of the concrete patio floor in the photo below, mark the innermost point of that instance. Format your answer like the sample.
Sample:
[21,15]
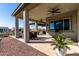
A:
[40,38]
[48,49]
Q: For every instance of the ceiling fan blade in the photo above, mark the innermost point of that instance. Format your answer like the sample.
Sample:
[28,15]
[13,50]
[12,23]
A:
[50,11]
[53,10]
[58,12]
[57,9]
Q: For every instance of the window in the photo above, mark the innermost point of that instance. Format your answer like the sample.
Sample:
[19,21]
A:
[1,30]
[66,24]
[60,24]
[52,25]
[4,30]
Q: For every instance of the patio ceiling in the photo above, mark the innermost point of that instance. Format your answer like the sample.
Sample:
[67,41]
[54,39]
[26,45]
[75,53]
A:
[40,11]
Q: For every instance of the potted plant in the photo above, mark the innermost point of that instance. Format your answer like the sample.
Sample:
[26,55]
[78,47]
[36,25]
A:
[61,44]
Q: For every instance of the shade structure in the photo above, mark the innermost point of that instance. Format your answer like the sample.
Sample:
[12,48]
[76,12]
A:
[41,24]
[32,24]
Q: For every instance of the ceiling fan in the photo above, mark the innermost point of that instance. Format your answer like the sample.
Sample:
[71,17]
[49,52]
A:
[54,10]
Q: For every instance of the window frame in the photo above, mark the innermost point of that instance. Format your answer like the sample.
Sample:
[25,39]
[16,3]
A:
[58,21]
[70,23]
[49,24]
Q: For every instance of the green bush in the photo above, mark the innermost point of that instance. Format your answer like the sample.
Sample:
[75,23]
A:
[61,42]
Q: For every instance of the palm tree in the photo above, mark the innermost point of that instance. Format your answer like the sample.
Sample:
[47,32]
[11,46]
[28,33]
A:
[61,43]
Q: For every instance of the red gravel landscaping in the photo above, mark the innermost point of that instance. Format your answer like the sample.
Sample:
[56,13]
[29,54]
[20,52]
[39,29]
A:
[13,47]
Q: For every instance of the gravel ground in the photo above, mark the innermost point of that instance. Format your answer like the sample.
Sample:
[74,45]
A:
[12,47]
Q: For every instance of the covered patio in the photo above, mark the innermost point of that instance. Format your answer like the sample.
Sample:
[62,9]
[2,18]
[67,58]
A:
[21,14]
[37,11]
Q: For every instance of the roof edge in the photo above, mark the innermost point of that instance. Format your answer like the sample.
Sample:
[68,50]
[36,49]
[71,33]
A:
[19,8]
[16,9]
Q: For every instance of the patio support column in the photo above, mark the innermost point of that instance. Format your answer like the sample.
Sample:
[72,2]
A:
[36,25]
[26,25]
[46,27]
[78,25]
[47,24]
[16,27]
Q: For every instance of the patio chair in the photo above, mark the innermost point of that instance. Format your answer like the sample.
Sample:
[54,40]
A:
[31,36]
[35,35]
[44,32]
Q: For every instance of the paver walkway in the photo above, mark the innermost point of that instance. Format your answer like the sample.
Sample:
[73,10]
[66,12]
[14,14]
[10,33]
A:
[13,47]
[44,47]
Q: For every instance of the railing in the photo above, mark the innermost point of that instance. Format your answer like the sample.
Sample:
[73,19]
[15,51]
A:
[4,34]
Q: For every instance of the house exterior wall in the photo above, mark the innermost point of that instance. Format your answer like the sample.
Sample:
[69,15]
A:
[72,33]
[4,29]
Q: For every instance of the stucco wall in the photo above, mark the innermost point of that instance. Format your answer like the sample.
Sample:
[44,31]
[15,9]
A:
[71,33]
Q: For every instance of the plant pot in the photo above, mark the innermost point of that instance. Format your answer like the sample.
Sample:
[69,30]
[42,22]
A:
[61,52]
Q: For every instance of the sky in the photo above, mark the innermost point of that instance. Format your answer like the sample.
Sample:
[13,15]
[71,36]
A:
[6,9]
[6,20]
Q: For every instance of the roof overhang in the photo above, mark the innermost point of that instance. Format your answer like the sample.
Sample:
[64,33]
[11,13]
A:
[23,6]
[20,7]
[38,11]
